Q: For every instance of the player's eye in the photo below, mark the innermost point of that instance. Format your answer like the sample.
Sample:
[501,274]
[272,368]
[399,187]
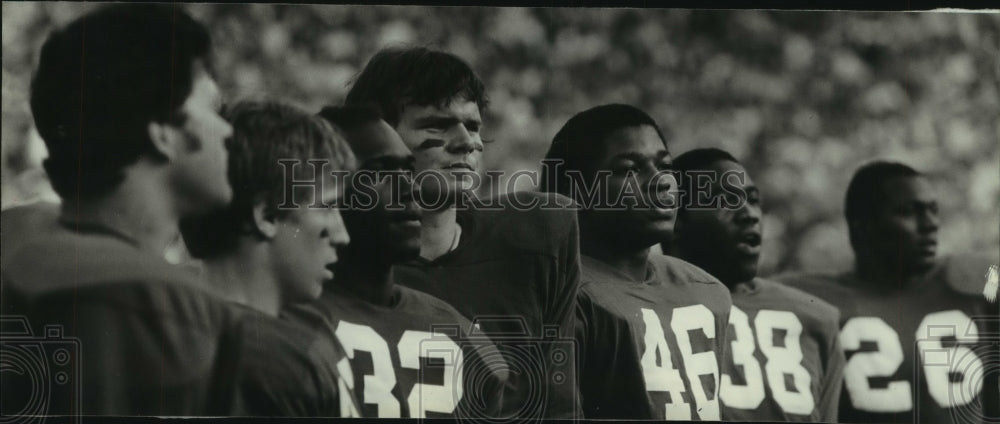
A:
[624,167]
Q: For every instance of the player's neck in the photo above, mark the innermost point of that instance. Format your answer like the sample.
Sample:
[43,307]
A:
[633,262]
[244,277]
[438,232]
[367,280]
[133,210]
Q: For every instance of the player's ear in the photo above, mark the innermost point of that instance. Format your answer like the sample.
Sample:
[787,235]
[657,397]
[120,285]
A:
[166,139]
[265,220]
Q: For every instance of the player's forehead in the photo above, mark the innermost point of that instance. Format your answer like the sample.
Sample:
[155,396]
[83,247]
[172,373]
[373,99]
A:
[732,172]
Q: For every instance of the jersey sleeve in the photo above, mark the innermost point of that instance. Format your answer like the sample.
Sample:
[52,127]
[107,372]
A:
[560,304]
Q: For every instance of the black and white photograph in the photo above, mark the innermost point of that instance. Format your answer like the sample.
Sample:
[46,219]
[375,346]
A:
[499,214]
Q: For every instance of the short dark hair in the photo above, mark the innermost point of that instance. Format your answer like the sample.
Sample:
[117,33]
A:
[350,118]
[865,191]
[264,132]
[101,80]
[399,76]
[581,141]
[696,160]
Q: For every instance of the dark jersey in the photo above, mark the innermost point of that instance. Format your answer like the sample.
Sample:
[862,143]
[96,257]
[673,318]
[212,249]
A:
[651,350]
[281,368]
[918,353]
[516,273]
[414,359]
[785,361]
[122,332]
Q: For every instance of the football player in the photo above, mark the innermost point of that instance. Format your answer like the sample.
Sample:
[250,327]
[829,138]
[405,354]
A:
[784,362]
[139,149]
[270,248]
[513,268]
[916,328]
[413,355]
[651,328]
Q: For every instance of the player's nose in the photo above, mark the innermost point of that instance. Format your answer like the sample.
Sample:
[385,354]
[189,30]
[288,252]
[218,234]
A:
[748,213]
[463,142]
[337,229]
[928,222]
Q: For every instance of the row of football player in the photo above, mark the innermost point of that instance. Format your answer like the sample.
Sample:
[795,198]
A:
[274,322]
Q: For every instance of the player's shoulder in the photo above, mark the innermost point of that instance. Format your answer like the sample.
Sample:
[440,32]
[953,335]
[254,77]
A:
[102,269]
[798,301]
[678,270]
[277,341]
[20,224]
[283,366]
[837,288]
[526,219]
[967,274]
[812,282]
[426,304]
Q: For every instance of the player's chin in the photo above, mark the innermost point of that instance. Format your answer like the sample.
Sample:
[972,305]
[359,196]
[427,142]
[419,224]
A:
[746,269]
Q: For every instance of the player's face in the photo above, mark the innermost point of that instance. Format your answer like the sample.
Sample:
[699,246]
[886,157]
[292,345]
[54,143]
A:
[725,240]
[305,248]
[200,177]
[905,227]
[445,141]
[393,232]
[640,188]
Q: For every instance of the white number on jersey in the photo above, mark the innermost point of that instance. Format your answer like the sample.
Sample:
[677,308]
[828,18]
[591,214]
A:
[658,368]
[785,360]
[429,397]
[741,349]
[412,346]
[940,365]
[781,359]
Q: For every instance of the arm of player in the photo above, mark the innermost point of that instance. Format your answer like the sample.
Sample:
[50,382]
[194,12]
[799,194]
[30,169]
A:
[833,375]
[560,310]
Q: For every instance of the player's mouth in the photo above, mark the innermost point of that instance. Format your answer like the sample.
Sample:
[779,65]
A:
[460,166]
[328,270]
[662,214]
[927,247]
[748,243]
[407,218]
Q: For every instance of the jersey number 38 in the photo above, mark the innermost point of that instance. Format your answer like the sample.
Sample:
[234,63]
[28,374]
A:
[783,359]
